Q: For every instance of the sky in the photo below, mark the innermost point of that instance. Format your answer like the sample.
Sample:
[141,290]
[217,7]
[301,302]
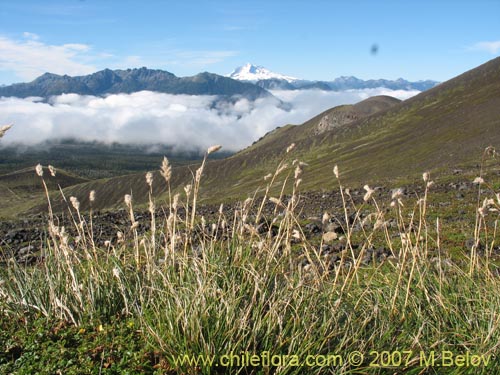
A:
[317,40]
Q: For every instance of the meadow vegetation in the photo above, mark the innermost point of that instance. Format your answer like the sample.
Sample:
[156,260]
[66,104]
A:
[194,289]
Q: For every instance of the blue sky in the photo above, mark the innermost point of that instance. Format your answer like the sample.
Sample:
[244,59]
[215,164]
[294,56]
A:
[306,39]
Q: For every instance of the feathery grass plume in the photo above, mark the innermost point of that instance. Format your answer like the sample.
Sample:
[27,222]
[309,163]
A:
[175,201]
[336,171]
[213,149]
[4,129]
[290,148]
[39,170]
[52,171]
[298,172]
[276,201]
[149,179]
[187,189]
[166,169]
[281,168]
[426,176]
[369,193]
[127,199]
[325,218]
[75,203]
[92,196]
[199,171]
[268,176]
[397,193]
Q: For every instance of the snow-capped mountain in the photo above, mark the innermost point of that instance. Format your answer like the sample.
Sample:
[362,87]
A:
[250,72]
[269,80]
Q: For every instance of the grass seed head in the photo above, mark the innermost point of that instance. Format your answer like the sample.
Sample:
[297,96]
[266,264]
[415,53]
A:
[369,193]
[336,171]
[74,201]
[149,179]
[128,199]
[4,129]
[92,196]
[290,148]
[397,193]
[39,170]
[166,169]
[213,149]
[52,171]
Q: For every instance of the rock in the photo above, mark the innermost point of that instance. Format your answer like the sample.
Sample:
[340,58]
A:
[329,237]
[312,228]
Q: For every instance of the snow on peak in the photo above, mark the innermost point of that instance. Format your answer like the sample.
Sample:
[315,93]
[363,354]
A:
[250,72]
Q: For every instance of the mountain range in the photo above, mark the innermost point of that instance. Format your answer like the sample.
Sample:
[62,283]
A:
[248,81]
[128,81]
[276,81]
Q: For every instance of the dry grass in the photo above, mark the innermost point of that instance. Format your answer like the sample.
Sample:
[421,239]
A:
[203,288]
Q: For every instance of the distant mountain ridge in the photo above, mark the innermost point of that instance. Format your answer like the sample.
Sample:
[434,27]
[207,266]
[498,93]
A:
[249,81]
[269,80]
[108,81]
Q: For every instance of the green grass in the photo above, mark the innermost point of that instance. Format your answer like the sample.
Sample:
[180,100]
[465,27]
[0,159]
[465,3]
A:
[198,289]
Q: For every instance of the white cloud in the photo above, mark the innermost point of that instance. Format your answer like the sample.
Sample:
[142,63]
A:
[31,36]
[492,47]
[30,58]
[186,122]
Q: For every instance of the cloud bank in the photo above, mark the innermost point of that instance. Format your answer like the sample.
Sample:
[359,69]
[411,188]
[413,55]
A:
[29,58]
[185,122]
[492,47]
